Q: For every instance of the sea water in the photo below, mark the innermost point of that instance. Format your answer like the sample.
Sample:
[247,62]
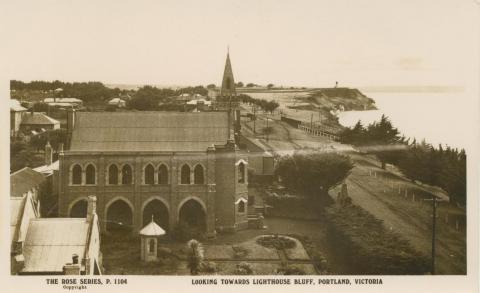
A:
[446,118]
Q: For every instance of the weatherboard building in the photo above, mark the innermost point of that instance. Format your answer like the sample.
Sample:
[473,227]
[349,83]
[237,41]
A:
[178,167]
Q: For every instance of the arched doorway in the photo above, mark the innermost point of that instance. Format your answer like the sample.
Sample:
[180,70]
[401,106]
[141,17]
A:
[159,211]
[193,214]
[119,217]
[79,209]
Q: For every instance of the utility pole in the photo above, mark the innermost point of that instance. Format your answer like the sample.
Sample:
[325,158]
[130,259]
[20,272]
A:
[434,223]
[254,118]
[266,129]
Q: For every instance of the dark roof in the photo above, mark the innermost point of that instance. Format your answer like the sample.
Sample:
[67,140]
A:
[148,131]
[50,243]
[38,118]
[23,180]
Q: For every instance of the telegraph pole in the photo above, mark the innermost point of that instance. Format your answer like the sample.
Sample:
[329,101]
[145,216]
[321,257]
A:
[254,118]
[434,223]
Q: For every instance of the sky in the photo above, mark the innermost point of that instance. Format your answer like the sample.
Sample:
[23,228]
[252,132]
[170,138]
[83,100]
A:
[291,43]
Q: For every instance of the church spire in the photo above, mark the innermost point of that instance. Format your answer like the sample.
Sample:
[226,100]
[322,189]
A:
[228,82]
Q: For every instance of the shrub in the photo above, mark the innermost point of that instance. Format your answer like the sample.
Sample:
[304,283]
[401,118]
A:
[244,268]
[291,270]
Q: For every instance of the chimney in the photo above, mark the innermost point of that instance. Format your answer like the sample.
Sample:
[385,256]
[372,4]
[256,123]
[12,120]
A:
[75,259]
[48,154]
[72,268]
[91,207]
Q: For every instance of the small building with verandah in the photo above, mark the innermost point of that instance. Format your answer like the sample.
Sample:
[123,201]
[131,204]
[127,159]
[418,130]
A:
[149,241]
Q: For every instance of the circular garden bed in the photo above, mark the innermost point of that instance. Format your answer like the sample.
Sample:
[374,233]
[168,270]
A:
[276,241]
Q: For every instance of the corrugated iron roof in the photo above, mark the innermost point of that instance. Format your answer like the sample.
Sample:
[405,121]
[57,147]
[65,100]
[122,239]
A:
[38,118]
[149,131]
[23,180]
[50,243]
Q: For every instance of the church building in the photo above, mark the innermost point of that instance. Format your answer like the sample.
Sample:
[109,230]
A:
[174,166]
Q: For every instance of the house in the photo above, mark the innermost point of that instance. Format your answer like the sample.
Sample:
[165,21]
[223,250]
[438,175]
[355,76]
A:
[38,122]
[64,102]
[54,246]
[16,114]
[117,102]
[180,167]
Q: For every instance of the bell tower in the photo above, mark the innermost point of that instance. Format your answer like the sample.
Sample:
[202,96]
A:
[228,82]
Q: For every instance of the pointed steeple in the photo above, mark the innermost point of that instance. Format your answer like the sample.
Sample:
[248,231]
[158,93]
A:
[228,82]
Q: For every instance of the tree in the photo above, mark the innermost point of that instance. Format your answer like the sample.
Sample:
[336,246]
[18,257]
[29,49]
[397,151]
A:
[211,86]
[383,137]
[194,256]
[239,84]
[250,84]
[312,173]
[270,85]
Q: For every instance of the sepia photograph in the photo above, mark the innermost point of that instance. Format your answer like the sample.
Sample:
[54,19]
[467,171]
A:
[317,144]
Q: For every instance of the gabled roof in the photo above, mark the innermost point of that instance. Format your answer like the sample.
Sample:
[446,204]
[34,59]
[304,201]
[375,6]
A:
[50,243]
[38,118]
[23,180]
[148,131]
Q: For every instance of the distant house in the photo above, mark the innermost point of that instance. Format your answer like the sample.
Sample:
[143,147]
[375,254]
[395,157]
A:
[64,102]
[38,122]
[16,113]
[117,102]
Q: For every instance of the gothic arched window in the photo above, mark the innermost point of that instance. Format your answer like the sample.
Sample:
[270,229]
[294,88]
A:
[241,206]
[185,174]
[241,173]
[151,246]
[113,174]
[149,174]
[77,174]
[90,174]
[127,175]
[162,174]
[198,177]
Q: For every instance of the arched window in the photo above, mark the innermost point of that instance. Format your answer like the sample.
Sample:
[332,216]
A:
[185,174]
[149,174]
[151,246]
[198,175]
[90,174]
[113,174]
[241,173]
[241,207]
[77,175]
[162,174]
[127,175]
